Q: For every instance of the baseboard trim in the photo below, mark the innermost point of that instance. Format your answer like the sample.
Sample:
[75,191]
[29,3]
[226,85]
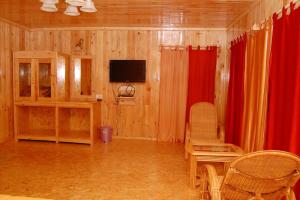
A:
[133,138]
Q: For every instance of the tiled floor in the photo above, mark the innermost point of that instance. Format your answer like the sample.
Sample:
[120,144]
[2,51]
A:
[123,169]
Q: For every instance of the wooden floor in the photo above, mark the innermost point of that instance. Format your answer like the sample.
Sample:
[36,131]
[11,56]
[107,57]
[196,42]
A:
[123,169]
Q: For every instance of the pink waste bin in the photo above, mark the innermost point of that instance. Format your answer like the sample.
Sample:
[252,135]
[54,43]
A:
[106,134]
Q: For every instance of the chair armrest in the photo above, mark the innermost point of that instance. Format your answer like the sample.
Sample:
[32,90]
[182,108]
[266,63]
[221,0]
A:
[213,182]
[221,132]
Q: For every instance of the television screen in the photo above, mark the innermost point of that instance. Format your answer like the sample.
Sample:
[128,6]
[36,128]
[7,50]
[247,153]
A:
[127,71]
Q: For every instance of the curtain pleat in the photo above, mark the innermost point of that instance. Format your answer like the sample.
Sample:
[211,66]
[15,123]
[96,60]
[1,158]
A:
[283,129]
[234,109]
[173,94]
[256,89]
[282,123]
[202,74]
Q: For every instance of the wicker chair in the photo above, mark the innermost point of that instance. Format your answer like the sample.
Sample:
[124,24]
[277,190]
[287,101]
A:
[203,127]
[263,175]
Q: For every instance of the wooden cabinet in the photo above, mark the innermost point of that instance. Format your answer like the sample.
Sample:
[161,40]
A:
[43,110]
[81,78]
[35,121]
[75,122]
[78,122]
[40,76]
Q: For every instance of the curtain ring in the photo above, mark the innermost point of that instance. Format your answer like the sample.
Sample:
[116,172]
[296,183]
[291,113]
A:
[284,11]
[275,17]
[292,6]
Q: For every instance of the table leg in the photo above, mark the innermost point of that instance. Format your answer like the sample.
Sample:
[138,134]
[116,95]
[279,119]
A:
[193,170]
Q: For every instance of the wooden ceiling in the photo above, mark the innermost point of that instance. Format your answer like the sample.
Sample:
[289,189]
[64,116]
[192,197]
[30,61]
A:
[130,13]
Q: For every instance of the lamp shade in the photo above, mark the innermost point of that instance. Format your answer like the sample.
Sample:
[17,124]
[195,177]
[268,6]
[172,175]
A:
[49,6]
[52,1]
[72,11]
[89,7]
[76,2]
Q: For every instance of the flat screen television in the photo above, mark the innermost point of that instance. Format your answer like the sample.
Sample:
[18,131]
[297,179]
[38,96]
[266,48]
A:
[127,70]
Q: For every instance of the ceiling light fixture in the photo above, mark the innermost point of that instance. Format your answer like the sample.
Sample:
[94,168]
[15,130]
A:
[76,2]
[89,7]
[49,6]
[55,1]
[72,8]
[72,11]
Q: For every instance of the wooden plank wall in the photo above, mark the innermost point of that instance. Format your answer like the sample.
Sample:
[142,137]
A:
[260,11]
[11,39]
[139,120]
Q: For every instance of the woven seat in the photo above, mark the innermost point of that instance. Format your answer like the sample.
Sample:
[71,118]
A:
[268,175]
[202,127]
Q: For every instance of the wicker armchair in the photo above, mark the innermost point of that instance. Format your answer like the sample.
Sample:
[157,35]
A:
[264,175]
[203,126]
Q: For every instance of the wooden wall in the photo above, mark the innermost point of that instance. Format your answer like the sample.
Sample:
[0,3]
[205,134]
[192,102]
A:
[260,11]
[11,39]
[140,119]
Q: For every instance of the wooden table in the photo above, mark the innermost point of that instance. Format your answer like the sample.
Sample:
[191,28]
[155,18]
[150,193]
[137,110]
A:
[217,153]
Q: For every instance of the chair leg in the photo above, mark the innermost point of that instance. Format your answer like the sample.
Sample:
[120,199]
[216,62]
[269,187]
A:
[214,185]
[204,193]
[193,171]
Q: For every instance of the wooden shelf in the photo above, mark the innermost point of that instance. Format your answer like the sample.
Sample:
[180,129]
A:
[34,122]
[43,135]
[75,137]
[36,104]
[42,90]
[127,98]
[80,105]
[126,101]
[75,122]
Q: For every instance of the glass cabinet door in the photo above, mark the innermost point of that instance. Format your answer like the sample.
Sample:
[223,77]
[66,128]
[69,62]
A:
[24,76]
[25,79]
[44,78]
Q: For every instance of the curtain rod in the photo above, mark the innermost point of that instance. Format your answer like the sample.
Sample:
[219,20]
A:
[279,12]
[205,47]
[257,26]
[296,2]
[172,47]
[186,47]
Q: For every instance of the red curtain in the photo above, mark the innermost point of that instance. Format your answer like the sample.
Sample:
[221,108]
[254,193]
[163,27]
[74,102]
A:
[202,73]
[283,122]
[235,99]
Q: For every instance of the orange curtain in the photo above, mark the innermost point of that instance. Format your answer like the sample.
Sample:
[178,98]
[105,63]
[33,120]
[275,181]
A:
[256,89]
[173,94]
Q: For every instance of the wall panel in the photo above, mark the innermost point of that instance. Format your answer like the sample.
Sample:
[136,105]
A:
[11,39]
[141,119]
